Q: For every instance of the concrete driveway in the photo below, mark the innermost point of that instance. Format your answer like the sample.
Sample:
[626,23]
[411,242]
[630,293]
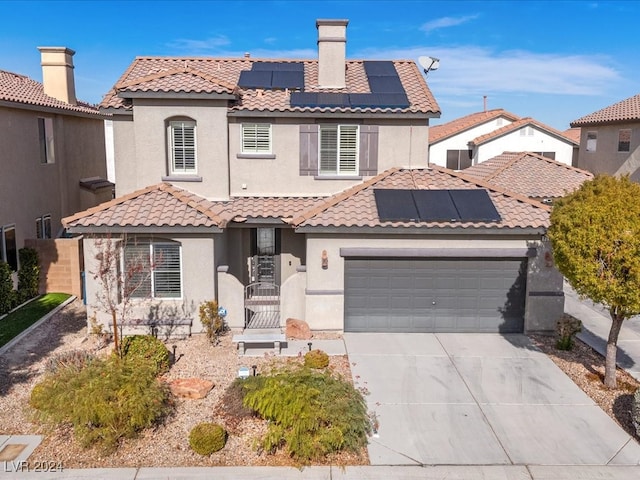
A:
[478,399]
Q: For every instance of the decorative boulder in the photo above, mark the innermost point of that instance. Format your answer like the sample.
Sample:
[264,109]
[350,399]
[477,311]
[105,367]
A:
[298,329]
[190,387]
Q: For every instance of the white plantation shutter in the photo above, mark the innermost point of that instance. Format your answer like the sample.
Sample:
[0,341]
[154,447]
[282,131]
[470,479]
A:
[256,138]
[137,276]
[160,278]
[348,154]
[339,149]
[183,147]
[329,149]
[166,271]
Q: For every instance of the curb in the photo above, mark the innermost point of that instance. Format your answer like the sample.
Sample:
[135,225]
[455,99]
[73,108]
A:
[24,333]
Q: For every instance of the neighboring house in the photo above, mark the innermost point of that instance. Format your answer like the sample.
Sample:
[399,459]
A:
[271,186]
[473,139]
[530,174]
[52,153]
[610,139]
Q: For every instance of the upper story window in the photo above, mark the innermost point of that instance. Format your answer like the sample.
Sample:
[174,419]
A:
[338,150]
[182,146]
[592,141]
[256,138]
[43,226]
[526,131]
[8,246]
[45,136]
[624,140]
[153,270]
[459,159]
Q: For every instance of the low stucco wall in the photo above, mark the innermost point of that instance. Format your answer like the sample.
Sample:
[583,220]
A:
[292,298]
[60,264]
[231,297]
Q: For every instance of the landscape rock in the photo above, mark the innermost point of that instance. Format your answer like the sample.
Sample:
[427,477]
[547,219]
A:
[298,329]
[190,387]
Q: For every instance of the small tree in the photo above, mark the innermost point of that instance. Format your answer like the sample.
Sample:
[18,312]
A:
[595,234]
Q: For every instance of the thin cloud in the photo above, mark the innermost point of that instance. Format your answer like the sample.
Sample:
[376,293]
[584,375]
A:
[446,22]
[306,53]
[197,45]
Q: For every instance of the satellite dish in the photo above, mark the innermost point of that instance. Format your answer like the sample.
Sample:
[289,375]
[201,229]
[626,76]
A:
[429,63]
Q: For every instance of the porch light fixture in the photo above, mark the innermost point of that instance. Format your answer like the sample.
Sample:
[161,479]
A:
[429,64]
[325,260]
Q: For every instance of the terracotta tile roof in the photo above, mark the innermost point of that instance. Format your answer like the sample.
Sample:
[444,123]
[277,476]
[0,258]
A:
[438,133]
[573,134]
[240,209]
[220,75]
[624,111]
[517,125]
[157,205]
[23,90]
[529,174]
[356,207]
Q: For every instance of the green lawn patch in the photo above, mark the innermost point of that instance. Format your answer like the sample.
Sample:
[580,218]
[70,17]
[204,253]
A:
[18,321]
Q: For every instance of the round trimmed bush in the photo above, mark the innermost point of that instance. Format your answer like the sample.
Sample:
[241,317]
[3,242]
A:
[316,359]
[146,348]
[207,438]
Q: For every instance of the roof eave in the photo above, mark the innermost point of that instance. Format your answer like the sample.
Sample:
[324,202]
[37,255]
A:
[98,115]
[423,230]
[166,229]
[350,114]
[178,95]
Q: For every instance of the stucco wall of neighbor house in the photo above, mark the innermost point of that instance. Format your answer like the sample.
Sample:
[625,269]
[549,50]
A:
[324,308]
[142,155]
[198,282]
[606,158]
[438,151]
[539,141]
[400,144]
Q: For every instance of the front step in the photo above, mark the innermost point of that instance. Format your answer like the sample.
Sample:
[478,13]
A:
[264,319]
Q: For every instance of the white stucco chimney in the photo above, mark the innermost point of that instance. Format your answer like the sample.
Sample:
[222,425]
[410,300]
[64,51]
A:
[332,52]
[57,73]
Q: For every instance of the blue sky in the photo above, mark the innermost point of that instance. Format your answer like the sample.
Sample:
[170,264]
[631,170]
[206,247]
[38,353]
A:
[554,61]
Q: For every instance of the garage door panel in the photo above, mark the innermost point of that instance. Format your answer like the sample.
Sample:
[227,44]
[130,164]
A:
[470,295]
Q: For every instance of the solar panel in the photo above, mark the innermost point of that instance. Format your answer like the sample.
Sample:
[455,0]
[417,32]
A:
[278,66]
[287,79]
[379,100]
[255,79]
[333,100]
[380,68]
[390,84]
[303,99]
[474,206]
[435,206]
[395,205]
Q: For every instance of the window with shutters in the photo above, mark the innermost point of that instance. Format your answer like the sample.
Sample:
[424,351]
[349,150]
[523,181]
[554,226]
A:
[45,135]
[624,140]
[8,246]
[459,159]
[182,147]
[153,270]
[338,150]
[256,138]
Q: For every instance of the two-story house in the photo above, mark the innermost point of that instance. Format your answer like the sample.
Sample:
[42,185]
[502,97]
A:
[475,138]
[52,153]
[291,188]
[610,139]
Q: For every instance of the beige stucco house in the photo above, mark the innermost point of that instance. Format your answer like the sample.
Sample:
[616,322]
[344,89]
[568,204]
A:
[52,153]
[297,189]
[610,139]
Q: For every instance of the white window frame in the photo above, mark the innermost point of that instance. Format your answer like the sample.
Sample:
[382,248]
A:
[151,270]
[41,226]
[174,167]
[256,138]
[46,140]
[526,131]
[3,245]
[591,144]
[341,152]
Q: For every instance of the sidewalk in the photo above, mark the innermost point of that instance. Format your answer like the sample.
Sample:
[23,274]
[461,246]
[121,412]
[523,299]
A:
[596,324]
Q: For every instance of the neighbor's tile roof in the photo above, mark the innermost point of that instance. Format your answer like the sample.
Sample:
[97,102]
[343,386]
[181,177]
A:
[356,207]
[517,125]
[220,75]
[438,133]
[23,90]
[573,134]
[626,110]
[529,174]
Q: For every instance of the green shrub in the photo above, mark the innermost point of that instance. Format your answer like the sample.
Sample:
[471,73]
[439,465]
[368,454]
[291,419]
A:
[316,359]
[635,411]
[146,348]
[567,327]
[310,413]
[7,293]
[206,438]
[104,401]
[211,321]
[28,274]
[73,359]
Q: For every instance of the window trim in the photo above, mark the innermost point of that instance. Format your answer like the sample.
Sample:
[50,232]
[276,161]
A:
[356,153]
[628,142]
[41,224]
[3,246]
[245,150]
[151,269]
[172,124]
[461,153]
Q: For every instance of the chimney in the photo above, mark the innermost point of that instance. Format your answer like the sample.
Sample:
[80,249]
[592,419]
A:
[332,46]
[57,73]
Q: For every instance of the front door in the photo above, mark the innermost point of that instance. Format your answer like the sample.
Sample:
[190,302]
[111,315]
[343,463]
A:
[265,260]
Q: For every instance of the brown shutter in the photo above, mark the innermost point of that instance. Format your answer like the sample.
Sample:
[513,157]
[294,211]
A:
[308,150]
[368,150]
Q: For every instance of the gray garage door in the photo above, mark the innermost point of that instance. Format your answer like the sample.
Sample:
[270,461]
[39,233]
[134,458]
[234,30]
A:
[435,294]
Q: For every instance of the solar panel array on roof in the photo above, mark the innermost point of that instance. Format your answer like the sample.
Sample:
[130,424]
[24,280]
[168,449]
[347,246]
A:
[270,75]
[351,100]
[435,205]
